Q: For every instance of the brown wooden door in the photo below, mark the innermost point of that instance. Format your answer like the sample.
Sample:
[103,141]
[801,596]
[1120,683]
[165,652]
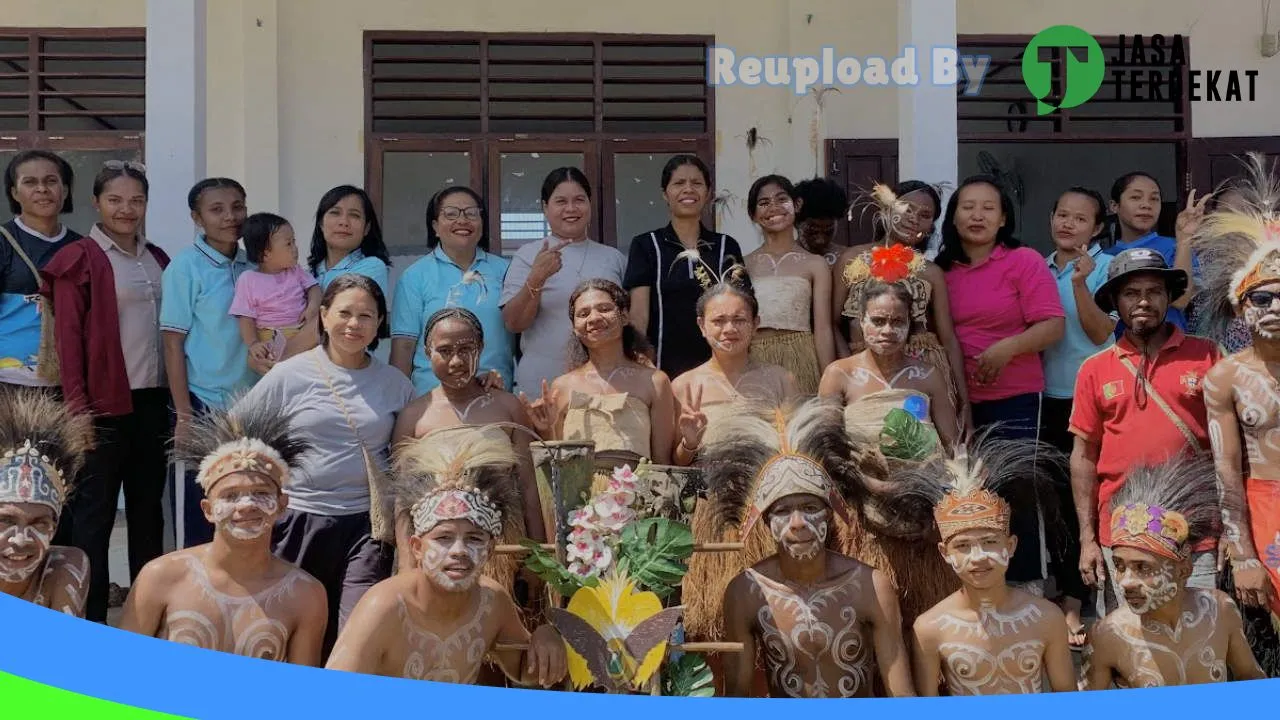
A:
[1216,160]
[857,165]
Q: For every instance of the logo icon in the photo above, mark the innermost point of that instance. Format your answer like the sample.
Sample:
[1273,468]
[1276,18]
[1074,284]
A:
[1084,67]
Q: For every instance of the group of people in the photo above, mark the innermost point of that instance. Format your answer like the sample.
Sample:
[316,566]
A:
[344,512]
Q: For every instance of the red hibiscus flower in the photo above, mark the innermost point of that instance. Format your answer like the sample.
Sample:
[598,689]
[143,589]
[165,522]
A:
[891,264]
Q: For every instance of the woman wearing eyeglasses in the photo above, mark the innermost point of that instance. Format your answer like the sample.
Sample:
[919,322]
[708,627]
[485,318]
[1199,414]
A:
[106,293]
[458,271]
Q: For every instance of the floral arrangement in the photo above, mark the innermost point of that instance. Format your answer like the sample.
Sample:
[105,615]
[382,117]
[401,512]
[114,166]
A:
[598,524]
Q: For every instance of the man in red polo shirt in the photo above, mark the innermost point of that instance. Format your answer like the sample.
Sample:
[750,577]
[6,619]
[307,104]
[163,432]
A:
[1139,402]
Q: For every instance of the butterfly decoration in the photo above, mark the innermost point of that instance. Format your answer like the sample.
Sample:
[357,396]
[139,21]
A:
[616,637]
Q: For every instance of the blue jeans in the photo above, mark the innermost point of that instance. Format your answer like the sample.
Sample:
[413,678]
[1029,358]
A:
[197,529]
[1018,417]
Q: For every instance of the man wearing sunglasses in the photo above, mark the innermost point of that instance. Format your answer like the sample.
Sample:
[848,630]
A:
[1243,396]
[1139,402]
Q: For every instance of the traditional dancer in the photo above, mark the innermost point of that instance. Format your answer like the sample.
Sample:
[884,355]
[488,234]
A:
[232,594]
[987,638]
[611,398]
[905,215]
[42,447]
[1239,252]
[728,317]
[825,622]
[1166,633]
[454,343]
[443,622]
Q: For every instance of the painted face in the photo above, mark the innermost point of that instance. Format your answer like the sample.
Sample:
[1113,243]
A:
[775,211]
[26,530]
[799,524]
[728,324]
[597,319]
[244,505]
[979,215]
[344,225]
[1139,206]
[568,211]
[220,213]
[885,324]
[352,320]
[122,205]
[455,352]
[38,188]
[1142,303]
[915,225]
[980,557]
[1074,222]
[453,553]
[686,193]
[282,251]
[817,232]
[457,223]
[1148,581]
[1262,310]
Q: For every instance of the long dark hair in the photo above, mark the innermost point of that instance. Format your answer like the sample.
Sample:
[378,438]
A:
[952,250]
[355,281]
[634,344]
[433,211]
[371,246]
[678,161]
[753,195]
[65,172]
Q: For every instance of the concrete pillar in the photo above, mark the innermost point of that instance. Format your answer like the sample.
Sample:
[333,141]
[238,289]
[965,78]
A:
[175,130]
[928,145]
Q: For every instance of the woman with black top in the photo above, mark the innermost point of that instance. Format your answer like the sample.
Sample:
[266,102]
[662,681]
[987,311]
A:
[665,279]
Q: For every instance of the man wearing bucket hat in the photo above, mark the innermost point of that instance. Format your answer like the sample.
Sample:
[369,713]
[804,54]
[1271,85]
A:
[1139,402]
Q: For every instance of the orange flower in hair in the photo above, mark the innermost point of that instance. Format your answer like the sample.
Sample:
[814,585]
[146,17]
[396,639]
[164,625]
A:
[891,264]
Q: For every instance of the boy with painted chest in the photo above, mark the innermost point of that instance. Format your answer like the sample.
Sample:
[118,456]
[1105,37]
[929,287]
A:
[986,638]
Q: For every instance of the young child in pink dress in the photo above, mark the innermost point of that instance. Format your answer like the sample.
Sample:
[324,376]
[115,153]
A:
[280,298]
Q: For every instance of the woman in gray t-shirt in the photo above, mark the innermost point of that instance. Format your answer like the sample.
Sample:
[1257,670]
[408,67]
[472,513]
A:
[344,402]
[542,275]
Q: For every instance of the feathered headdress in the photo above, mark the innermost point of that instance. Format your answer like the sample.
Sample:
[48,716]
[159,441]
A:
[1167,509]
[459,473]
[42,447]
[250,437]
[977,486]
[708,277]
[888,263]
[759,454]
[1239,248]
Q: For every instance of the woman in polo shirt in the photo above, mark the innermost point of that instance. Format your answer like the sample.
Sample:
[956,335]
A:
[1136,202]
[348,239]
[1006,311]
[204,356]
[106,297]
[459,271]
[344,401]
[1080,268]
[665,277]
[542,276]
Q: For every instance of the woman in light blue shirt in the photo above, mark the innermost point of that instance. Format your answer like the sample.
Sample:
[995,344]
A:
[457,272]
[348,239]
[1079,264]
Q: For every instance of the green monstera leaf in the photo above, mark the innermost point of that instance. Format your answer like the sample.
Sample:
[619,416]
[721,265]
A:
[904,437]
[653,552]
[544,565]
[690,676]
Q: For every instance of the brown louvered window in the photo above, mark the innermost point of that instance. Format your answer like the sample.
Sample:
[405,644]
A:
[497,111]
[78,92]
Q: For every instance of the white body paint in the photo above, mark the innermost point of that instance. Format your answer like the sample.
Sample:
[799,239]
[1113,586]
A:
[436,556]
[454,658]
[225,508]
[798,638]
[1156,591]
[24,540]
[814,523]
[962,562]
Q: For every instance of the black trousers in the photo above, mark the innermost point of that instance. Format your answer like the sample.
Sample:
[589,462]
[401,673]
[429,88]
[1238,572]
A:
[339,551]
[130,452]
[1018,417]
[1064,541]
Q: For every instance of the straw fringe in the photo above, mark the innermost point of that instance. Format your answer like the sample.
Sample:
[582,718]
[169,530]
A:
[793,350]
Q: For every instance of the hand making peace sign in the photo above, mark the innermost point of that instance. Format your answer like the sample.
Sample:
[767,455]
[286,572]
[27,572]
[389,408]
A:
[692,422]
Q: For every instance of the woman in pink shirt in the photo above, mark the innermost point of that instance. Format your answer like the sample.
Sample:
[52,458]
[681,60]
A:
[1006,310]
